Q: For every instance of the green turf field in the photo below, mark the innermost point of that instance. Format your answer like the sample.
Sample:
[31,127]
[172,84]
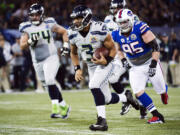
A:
[29,114]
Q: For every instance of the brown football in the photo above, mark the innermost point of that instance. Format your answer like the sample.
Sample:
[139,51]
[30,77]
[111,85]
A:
[103,50]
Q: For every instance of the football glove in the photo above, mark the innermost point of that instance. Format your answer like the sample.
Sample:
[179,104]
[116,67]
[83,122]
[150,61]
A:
[125,64]
[152,68]
[65,49]
[34,39]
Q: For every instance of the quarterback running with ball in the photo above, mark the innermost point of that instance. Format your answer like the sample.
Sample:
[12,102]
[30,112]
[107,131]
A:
[85,36]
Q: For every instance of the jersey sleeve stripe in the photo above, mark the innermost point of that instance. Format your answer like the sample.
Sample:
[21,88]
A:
[98,33]
[24,27]
[145,30]
[143,26]
[49,21]
[72,36]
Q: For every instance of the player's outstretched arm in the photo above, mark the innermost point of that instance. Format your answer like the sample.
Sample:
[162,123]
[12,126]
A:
[150,39]
[122,57]
[24,41]
[75,61]
[60,30]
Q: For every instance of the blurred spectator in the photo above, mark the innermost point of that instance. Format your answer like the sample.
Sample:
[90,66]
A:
[18,68]
[164,52]
[155,12]
[174,63]
[4,73]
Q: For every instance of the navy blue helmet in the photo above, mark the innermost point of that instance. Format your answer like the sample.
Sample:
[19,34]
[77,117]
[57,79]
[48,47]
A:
[36,9]
[117,4]
[81,12]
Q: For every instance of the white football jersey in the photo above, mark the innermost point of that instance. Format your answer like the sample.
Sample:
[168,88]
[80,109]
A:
[45,45]
[93,40]
[111,25]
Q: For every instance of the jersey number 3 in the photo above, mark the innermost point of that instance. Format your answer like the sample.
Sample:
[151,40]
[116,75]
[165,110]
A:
[132,48]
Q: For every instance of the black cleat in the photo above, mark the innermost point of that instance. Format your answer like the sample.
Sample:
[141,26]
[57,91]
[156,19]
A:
[101,125]
[54,115]
[125,108]
[143,112]
[131,100]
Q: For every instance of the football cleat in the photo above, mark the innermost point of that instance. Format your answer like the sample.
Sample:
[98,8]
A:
[164,98]
[131,100]
[54,115]
[101,125]
[65,111]
[156,119]
[143,112]
[125,108]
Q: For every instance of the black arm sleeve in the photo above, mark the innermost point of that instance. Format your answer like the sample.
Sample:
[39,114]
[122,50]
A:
[154,45]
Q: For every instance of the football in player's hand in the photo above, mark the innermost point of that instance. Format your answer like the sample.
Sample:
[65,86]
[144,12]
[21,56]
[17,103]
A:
[103,50]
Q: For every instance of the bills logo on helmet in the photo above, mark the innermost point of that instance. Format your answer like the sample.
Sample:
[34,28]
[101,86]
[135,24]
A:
[129,13]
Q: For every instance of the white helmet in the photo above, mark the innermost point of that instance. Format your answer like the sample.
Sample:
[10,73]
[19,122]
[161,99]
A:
[125,20]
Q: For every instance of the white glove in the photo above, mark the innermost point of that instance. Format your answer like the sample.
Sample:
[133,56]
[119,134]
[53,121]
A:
[34,39]
[65,49]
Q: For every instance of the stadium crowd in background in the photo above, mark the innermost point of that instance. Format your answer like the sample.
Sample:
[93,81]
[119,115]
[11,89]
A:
[16,66]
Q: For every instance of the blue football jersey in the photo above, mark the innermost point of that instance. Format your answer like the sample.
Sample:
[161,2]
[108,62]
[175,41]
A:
[133,45]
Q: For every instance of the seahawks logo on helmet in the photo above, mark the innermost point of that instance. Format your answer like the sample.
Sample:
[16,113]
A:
[81,12]
[36,9]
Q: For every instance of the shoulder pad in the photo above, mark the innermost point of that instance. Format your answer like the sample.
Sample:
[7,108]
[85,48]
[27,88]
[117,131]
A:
[24,25]
[49,20]
[107,19]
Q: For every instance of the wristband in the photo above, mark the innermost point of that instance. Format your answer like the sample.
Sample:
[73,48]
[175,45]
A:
[123,60]
[153,63]
[66,45]
[77,68]
[109,59]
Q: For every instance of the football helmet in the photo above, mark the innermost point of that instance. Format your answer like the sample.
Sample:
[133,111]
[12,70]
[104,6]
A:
[116,4]
[38,10]
[125,20]
[84,14]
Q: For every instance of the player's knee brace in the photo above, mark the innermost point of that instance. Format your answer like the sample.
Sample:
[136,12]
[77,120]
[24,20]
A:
[118,88]
[98,96]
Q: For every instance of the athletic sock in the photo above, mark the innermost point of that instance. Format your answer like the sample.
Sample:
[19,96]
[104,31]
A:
[147,102]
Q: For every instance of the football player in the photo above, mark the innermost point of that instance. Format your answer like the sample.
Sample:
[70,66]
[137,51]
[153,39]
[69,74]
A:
[37,35]
[86,36]
[136,39]
[120,70]
[115,6]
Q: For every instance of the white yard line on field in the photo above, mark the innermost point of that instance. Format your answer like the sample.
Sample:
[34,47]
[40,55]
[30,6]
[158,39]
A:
[84,132]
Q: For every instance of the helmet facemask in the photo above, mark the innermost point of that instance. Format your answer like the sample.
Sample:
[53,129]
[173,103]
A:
[125,26]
